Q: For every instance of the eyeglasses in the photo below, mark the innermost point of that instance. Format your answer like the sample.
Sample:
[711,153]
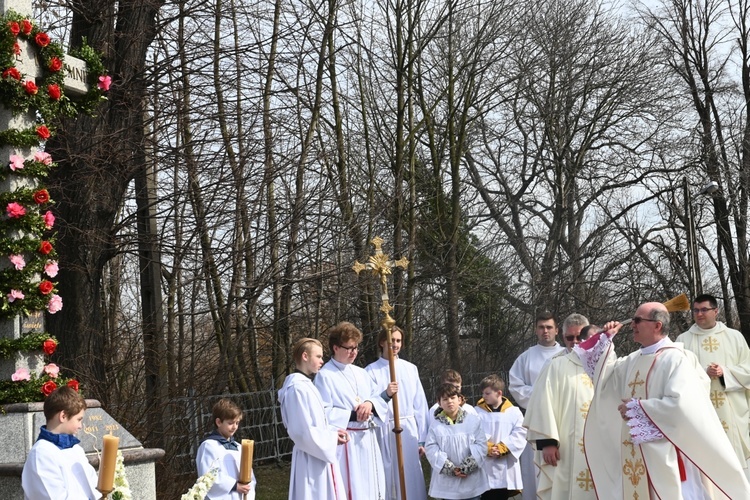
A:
[571,338]
[350,349]
[638,319]
[702,310]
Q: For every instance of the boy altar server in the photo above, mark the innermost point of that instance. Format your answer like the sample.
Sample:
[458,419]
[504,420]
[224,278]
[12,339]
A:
[506,439]
[221,450]
[354,404]
[315,471]
[57,467]
[412,405]
[456,446]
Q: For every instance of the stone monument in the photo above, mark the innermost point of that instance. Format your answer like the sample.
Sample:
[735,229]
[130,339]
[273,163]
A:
[20,422]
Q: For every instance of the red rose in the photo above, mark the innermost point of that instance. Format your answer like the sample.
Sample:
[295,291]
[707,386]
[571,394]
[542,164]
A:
[55,64]
[43,132]
[45,247]
[54,91]
[48,387]
[30,87]
[41,196]
[26,27]
[46,287]
[16,49]
[74,384]
[14,28]
[12,73]
[42,39]
[49,346]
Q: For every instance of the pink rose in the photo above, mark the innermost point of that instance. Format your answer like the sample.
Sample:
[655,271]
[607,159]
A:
[17,261]
[21,374]
[104,82]
[54,304]
[51,268]
[52,370]
[49,219]
[16,162]
[42,157]
[15,295]
[15,210]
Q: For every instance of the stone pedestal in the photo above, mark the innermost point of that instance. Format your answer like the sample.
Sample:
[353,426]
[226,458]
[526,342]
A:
[19,427]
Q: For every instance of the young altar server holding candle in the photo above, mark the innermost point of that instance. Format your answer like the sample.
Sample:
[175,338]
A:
[220,449]
[57,467]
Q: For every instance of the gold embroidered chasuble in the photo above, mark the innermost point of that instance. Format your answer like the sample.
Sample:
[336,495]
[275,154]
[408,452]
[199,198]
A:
[673,392]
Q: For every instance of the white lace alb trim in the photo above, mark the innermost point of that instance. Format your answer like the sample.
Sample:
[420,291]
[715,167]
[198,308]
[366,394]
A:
[589,358]
[642,430]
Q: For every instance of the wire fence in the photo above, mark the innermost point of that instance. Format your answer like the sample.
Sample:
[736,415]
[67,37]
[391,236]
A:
[261,422]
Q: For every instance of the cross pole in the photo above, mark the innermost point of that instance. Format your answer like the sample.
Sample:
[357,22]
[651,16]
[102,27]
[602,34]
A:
[381,265]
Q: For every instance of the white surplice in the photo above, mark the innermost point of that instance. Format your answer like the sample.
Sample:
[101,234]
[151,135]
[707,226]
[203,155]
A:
[54,474]
[504,425]
[412,407]
[343,387]
[210,454]
[315,470]
[731,396]
[557,411]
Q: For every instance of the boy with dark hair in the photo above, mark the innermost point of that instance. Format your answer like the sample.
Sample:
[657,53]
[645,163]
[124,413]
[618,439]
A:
[506,439]
[220,449]
[450,376]
[57,467]
[456,446]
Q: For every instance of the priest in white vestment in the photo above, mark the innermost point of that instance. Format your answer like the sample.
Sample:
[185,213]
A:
[412,408]
[521,378]
[724,354]
[315,471]
[555,419]
[653,409]
[355,405]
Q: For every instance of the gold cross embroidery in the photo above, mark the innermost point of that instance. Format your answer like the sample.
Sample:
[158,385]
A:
[725,426]
[585,409]
[584,480]
[718,398]
[633,385]
[628,442]
[710,344]
[586,380]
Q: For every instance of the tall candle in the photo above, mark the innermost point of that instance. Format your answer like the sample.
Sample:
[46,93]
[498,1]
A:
[246,461]
[107,463]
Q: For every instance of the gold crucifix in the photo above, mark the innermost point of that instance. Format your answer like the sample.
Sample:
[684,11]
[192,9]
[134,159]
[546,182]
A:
[381,265]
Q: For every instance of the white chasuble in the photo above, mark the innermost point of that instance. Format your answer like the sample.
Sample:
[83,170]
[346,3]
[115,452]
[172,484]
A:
[557,410]
[727,348]
[343,387]
[668,390]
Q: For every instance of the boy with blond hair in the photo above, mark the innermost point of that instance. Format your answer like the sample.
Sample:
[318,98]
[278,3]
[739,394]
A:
[57,467]
[315,471]
[220,449]
[506,439]
[456,447]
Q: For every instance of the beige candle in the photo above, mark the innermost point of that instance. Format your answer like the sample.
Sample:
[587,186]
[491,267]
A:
[246,461]
[107,463]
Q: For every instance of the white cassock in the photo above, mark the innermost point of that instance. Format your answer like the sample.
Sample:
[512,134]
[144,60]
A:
[315,470]
[557,411]
[504,425]
[456,442]
[671,421]
[412,409]
[521,378]
[54,474]
[343,387]
[212,453]
[727,348]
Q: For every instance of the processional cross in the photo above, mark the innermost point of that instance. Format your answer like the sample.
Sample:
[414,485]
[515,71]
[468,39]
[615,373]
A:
[381,265]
